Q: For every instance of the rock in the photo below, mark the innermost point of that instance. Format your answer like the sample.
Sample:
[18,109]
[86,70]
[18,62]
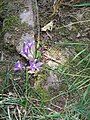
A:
[52,81]
[7,38]
[25,38]
[27,17]
[55,57]
[23,29]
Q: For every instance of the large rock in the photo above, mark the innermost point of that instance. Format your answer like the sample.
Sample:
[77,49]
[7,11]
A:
[23,29]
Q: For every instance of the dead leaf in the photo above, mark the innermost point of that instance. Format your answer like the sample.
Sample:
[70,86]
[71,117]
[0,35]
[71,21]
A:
[49,27]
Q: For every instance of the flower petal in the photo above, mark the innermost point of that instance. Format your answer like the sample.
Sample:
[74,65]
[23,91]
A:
[39,64]
[18,66]
[35,65]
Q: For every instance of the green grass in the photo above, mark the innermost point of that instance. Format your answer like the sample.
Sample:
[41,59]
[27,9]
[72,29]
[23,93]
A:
[18,99]
[21,100]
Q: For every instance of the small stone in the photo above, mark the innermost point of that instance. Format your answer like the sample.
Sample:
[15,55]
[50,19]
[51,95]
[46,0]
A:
[52,81]
[7,37]
[78,35]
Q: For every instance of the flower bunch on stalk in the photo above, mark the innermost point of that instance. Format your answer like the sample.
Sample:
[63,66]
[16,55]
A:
[34,64]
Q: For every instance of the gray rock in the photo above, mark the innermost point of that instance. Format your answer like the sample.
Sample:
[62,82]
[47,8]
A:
[25,30]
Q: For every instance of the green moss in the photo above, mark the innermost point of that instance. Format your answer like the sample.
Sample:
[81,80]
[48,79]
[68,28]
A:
[39,85]
[43,94]
[10,7]
[2,75]
[9,48]
[2,6]
[10,23]
[9,12]
[5,8]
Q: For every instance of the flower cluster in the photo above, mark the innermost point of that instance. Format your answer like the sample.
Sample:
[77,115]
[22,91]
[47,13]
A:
[34,64]
[26,50]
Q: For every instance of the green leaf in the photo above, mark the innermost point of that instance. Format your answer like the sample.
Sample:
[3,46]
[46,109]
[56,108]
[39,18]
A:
[38,54]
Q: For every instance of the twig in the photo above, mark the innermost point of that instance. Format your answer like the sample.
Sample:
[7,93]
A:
[4,95]
[56,106]
[9,113]
[19,113]
[15,115]
[52,59]
[38,27]
[75,23]
[38,24]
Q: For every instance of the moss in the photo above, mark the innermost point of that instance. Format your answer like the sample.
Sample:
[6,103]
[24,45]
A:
[9,12]
[9,48]
[2,6]
[2,75]
[10,7]
[43,94]
[5,8]
[10,23]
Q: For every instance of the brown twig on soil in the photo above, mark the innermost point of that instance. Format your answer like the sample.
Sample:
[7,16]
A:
[57,5]
[52,59]
[75,23]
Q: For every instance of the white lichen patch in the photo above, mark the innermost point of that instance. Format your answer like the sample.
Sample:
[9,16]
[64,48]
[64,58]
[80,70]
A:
[7,37]
[55,57]
[27,17]
[52,64]
[52,81]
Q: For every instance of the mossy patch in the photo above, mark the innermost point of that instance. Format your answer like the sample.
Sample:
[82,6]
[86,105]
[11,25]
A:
[10,23]
[43,94]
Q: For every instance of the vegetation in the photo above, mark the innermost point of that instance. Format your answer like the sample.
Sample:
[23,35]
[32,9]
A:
[23,95]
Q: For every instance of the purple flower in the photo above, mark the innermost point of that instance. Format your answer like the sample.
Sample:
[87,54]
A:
[18,66]
[35,65]
[26,51]
[30,43]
